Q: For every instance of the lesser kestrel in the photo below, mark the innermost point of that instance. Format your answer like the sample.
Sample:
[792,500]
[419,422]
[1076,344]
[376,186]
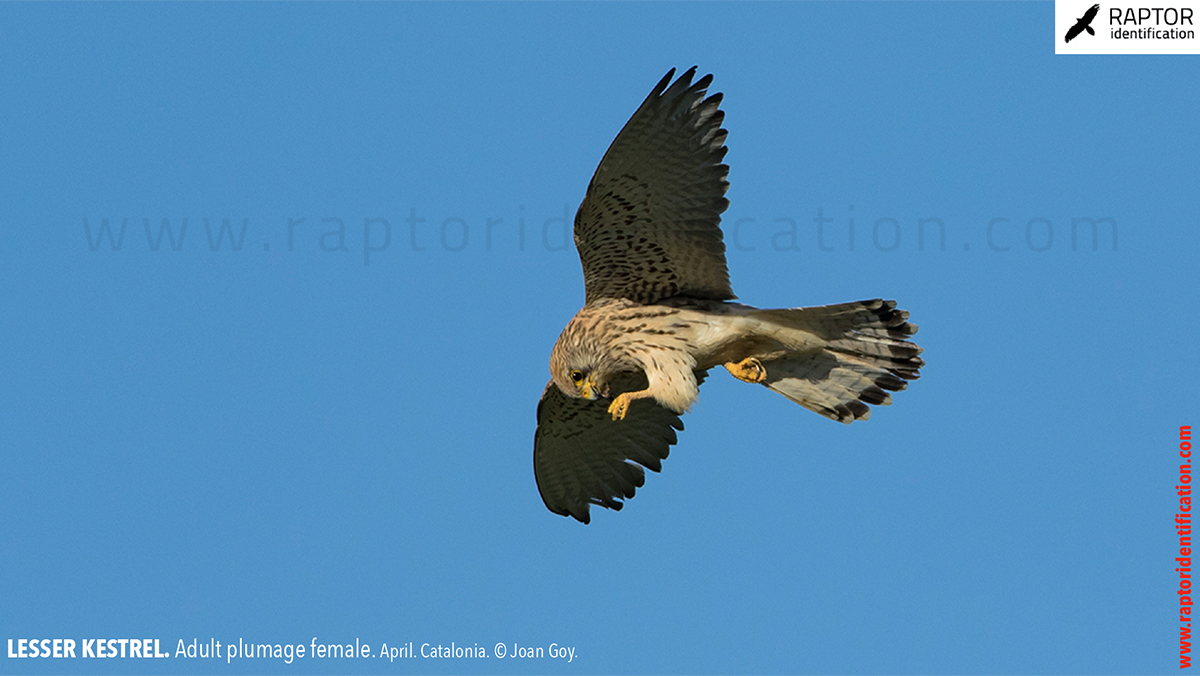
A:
[659,314]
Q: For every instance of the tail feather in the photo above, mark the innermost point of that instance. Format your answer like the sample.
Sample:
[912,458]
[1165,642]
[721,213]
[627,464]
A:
[865,355]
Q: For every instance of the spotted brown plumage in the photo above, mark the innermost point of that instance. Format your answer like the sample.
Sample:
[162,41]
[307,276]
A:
[658,315]
[649,226]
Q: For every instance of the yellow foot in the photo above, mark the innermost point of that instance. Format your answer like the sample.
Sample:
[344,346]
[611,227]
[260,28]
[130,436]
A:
[749,369]
[620,406]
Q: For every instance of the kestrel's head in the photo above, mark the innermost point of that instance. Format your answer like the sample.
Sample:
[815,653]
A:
[578,371]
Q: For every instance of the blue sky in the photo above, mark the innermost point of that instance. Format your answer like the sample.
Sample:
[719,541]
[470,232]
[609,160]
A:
[327,431]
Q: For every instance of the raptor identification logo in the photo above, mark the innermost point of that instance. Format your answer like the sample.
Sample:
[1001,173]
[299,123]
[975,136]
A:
[1126,27]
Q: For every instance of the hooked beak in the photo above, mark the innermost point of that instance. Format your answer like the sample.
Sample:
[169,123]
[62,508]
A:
[589,390]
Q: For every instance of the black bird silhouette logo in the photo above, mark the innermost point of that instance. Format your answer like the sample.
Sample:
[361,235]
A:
[1084,23]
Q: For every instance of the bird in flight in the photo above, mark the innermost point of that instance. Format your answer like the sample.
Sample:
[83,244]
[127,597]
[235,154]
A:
[659,314]
[1083,24]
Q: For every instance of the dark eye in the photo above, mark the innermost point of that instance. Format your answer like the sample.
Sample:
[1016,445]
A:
[577,376]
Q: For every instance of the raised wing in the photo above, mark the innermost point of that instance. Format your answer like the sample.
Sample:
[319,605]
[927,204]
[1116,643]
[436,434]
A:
[649,226]
[582,457]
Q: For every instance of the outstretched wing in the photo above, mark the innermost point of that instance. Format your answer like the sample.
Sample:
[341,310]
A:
[1074,31]
[582,457]
[649,226]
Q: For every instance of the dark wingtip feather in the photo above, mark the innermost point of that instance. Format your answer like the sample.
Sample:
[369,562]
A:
[663,83]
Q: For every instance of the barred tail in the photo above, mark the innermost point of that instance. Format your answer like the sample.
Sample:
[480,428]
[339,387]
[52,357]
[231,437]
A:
[865,356]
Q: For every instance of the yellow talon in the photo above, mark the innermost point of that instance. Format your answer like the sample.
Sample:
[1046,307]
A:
[620,406]
[749,370]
